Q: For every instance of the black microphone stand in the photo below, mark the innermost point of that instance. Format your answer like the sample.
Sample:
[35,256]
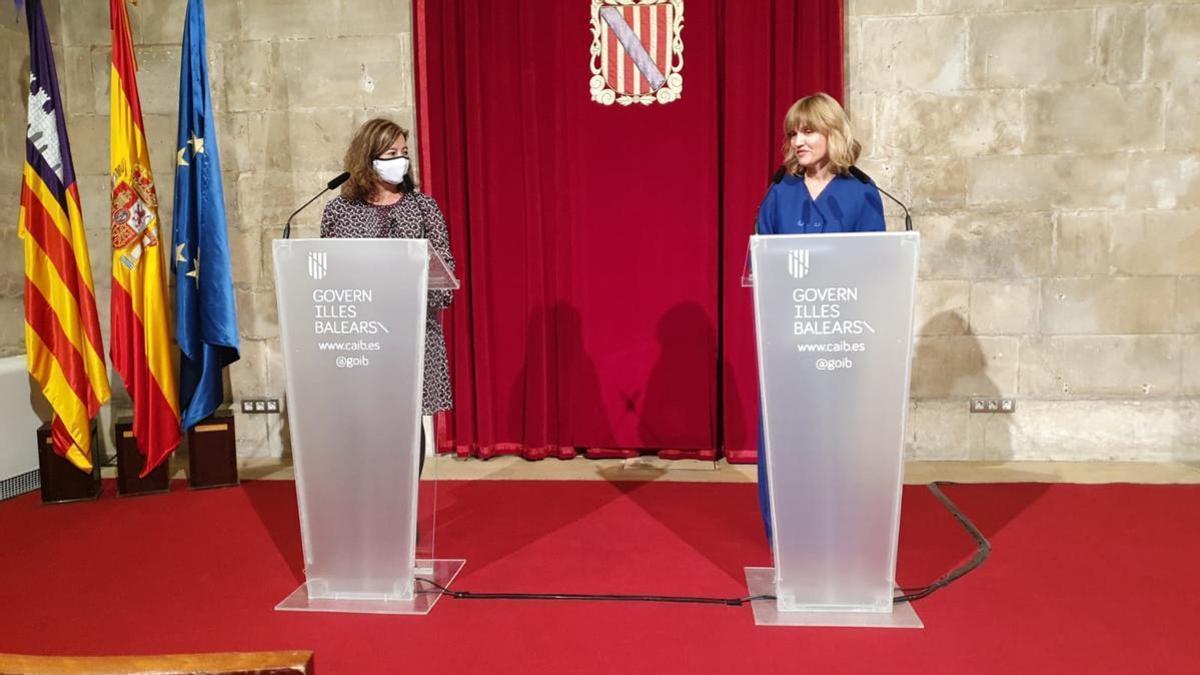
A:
[333,184]
[863,177]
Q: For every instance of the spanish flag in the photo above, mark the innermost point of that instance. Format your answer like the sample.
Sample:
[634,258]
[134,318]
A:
[62,332]
[141,350]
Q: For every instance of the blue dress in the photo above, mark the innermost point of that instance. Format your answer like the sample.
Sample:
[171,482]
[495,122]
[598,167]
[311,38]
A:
[845,205]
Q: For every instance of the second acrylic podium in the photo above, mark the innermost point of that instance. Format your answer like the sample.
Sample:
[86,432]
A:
[834,318]
[352,318]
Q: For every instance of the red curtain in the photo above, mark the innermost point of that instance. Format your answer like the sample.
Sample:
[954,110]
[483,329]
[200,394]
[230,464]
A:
[600,246]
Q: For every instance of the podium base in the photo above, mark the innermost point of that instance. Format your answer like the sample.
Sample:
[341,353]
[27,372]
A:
[440,571]
[761,581]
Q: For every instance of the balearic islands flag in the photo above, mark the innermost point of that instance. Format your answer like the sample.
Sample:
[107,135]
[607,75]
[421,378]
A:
[141,350]
[205,313]
[62,331]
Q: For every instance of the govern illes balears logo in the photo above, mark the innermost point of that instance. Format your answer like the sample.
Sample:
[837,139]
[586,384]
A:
[318,264]
[798,263]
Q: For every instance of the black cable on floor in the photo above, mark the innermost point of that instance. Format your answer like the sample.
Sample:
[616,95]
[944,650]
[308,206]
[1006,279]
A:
[910,594]
[681,599]
[982,550]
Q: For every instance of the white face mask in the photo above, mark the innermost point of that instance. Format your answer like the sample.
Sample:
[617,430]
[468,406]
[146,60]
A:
[391,170]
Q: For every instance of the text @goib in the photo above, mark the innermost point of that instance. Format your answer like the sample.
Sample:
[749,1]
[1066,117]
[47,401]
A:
[352,361]
[835,364]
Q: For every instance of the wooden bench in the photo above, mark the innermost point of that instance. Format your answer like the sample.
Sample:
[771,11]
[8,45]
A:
[257,663]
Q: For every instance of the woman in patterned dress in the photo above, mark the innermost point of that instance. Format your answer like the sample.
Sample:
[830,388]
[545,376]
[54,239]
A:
[379,200]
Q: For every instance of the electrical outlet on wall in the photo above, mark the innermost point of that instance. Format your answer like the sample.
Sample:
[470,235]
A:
[252,406]
[985,404]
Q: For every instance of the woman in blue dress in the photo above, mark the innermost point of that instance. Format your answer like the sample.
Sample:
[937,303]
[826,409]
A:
[816,194]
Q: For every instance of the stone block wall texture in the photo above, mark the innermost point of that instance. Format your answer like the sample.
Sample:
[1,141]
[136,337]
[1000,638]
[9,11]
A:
[1050,151]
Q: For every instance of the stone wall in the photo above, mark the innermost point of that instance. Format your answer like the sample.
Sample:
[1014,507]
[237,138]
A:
[1050,150]
[1051,153]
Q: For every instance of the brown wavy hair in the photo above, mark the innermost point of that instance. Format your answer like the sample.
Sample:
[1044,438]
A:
[370,141]
[822,113]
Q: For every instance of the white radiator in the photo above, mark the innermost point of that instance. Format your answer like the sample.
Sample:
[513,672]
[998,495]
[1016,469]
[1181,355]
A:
[18,430]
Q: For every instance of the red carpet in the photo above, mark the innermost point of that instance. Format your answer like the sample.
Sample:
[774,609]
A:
[1082,579]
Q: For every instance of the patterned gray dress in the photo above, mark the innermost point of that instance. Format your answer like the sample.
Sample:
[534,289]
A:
[415,216]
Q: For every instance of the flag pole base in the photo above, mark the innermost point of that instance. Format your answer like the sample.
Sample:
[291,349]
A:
[212,452]
[130,463]
[62,483]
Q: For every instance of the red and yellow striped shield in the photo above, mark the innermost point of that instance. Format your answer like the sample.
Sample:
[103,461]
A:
[637,50]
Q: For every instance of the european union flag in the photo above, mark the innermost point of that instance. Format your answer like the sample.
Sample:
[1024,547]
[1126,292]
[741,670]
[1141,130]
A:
[205,314]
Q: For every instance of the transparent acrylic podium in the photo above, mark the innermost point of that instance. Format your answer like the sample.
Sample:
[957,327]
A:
[834,320]
[352,322]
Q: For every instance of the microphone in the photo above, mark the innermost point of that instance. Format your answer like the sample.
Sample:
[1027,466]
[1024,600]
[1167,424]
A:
[864,178]
[331,185]
[337,181]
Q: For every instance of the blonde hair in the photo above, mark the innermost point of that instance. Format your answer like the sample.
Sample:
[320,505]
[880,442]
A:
[370,141]
[821,113]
